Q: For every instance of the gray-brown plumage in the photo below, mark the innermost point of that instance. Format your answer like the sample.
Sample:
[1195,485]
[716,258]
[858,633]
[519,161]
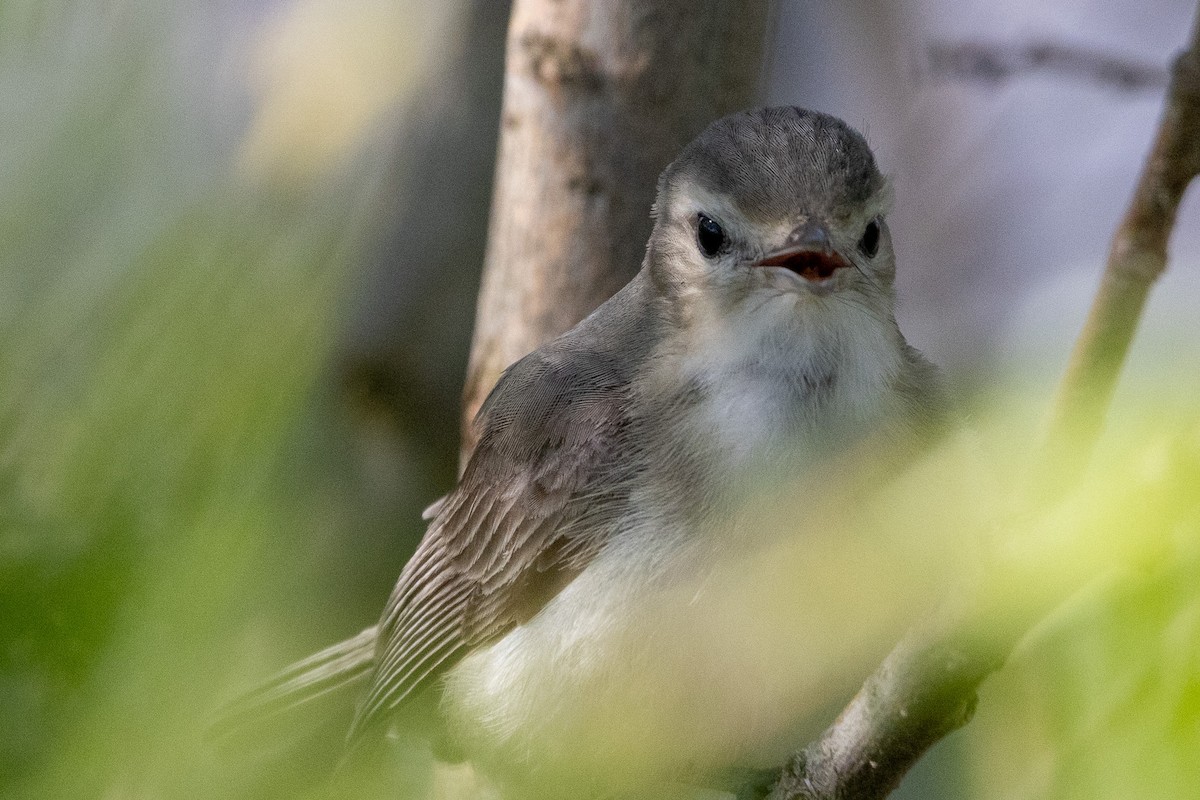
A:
[521,522]
[758,339]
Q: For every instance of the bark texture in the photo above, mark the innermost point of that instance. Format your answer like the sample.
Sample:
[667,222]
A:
[598,98]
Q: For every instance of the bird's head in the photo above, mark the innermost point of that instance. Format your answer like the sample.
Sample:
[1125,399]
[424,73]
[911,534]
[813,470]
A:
[778,202]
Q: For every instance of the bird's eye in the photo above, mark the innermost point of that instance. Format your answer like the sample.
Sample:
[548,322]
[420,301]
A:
[710,236]
[868,245]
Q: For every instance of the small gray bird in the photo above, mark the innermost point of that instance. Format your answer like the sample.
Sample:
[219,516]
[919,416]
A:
[571,605]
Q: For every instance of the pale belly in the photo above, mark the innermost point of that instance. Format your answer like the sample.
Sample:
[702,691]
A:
[715,658]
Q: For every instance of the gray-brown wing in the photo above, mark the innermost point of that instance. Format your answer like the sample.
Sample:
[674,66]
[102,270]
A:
[527,516]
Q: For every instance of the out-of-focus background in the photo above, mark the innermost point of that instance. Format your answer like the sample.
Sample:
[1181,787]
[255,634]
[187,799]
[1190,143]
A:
[239,250]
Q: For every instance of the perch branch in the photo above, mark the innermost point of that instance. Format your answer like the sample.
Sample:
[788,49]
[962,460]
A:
[926,687]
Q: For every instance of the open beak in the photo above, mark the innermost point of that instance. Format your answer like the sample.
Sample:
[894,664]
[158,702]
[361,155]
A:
[808,253]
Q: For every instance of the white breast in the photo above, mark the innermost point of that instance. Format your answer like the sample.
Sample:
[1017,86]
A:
[821,373]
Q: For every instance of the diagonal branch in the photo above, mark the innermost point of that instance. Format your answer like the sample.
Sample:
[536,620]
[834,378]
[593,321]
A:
[1138,256]
[926,687]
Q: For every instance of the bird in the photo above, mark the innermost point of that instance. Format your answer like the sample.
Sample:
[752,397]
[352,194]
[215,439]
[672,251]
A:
[572,609]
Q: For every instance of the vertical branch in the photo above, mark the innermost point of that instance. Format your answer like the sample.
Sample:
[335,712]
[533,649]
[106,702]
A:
[598,98]
[1138,256]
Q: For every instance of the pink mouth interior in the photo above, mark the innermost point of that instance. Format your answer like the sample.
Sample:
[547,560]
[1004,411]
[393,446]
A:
[810,265]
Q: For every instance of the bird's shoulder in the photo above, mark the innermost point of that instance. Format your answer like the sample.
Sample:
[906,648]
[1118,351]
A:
[924,395]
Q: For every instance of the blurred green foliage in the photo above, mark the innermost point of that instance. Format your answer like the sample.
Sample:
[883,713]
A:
[176,491]
[173,472]
[1102,698]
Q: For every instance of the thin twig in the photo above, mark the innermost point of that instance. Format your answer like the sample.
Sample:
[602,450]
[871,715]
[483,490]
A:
[926,687]
[991,63]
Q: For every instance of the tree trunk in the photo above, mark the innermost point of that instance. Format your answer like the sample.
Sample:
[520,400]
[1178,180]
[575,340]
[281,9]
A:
[598,98]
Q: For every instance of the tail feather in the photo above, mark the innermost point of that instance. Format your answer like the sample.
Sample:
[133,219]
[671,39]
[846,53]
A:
[335,667]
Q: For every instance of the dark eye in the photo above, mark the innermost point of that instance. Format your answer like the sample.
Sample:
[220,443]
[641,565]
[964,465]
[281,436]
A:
[710,236]
[868,245]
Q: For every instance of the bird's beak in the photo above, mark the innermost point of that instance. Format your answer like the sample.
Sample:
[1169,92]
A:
[808,252]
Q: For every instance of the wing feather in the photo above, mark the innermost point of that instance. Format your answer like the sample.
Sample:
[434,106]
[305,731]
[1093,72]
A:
[519,526]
